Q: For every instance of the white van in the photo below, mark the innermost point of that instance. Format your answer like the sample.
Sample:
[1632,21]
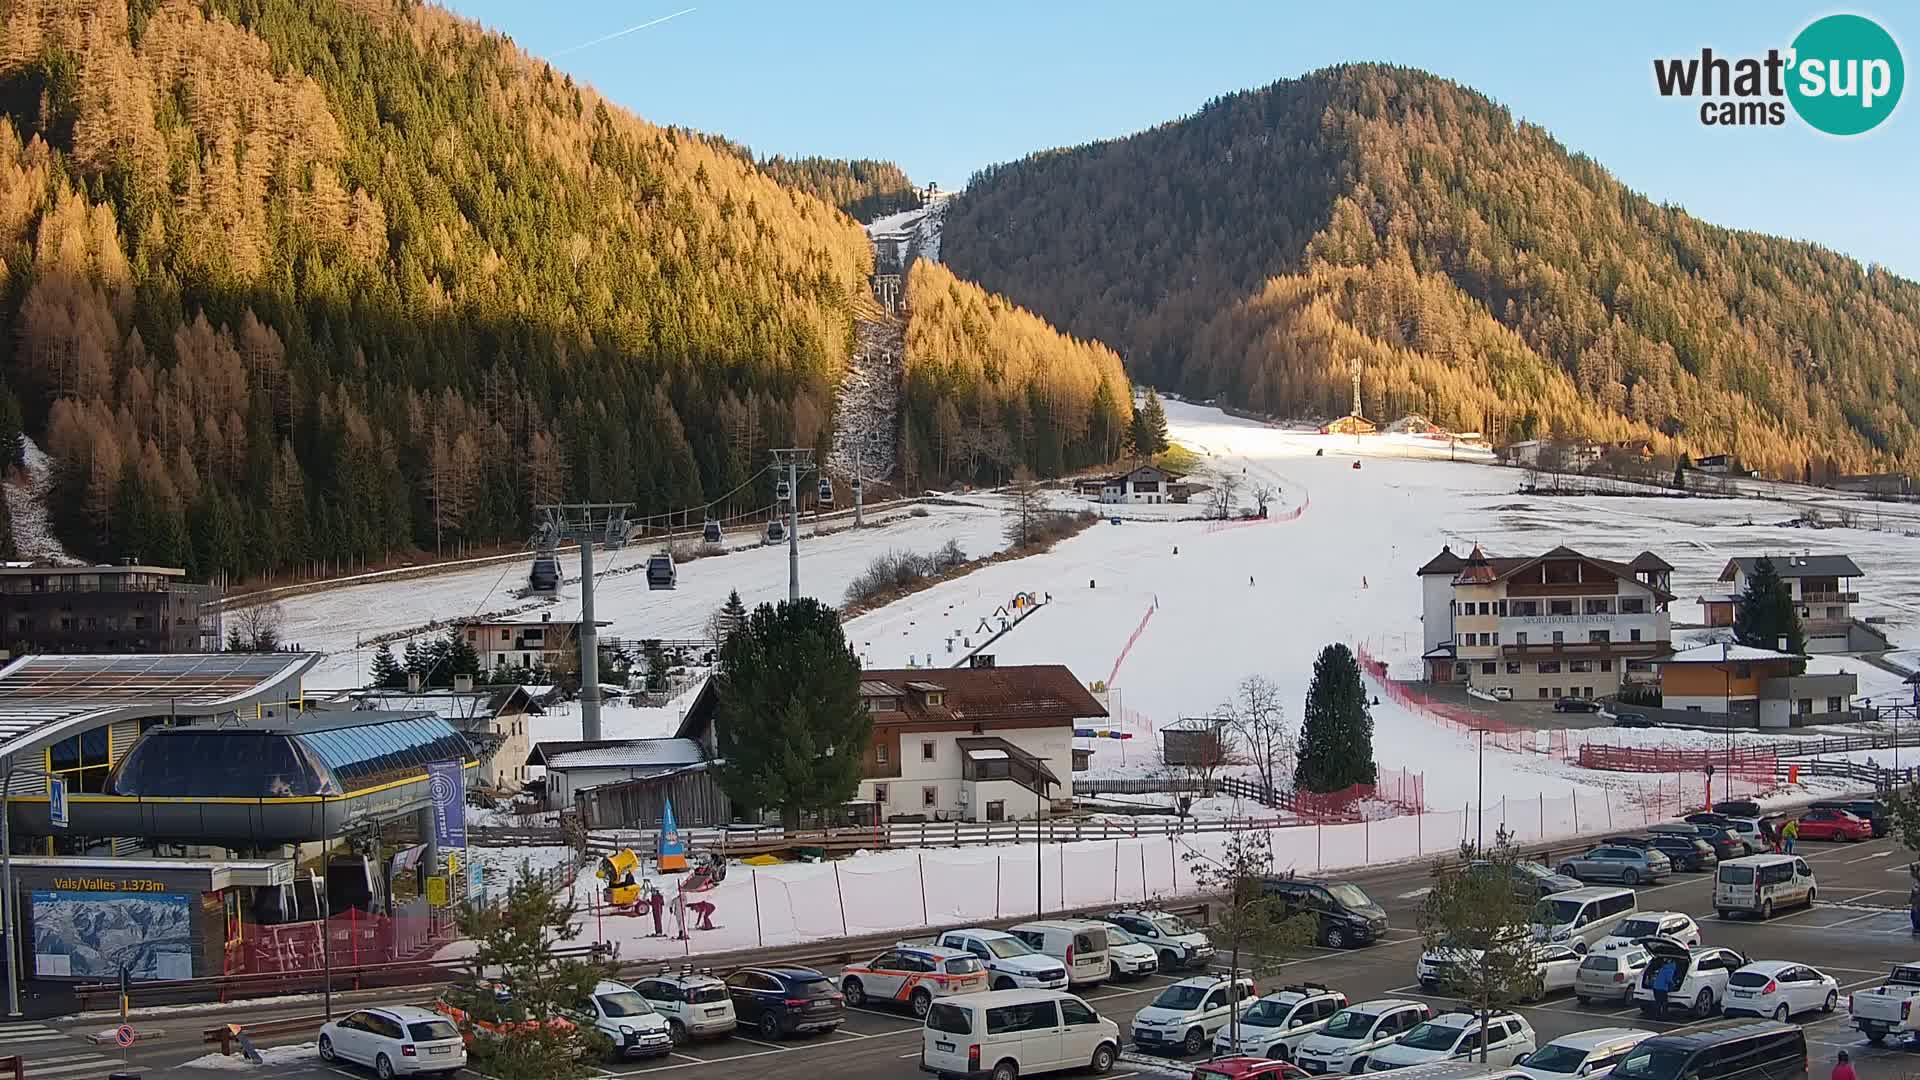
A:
[1081,944]
[1579,917]
[1006,1034]
[1761,883]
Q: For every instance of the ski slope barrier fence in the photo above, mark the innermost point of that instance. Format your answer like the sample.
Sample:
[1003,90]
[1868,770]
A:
[1131,638]
[907,890]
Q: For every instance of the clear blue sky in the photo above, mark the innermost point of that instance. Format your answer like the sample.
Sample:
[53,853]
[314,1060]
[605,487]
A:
[944,89]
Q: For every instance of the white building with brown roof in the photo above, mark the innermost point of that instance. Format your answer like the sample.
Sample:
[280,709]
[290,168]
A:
[1560,624]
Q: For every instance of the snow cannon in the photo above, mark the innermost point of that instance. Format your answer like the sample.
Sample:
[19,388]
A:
[617,870]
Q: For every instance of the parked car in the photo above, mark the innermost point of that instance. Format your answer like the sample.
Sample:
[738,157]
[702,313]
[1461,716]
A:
[1749,831]
[777,1001]
[1127,956]
[1613,862]
[395,1040]
[1502,693]
[1177,942]
[1187,1015]
[1346,914]
[1632,720]
[1528,879]
[620,1014]
[1779,988]
[1576,704]
[993,1035]
[1737,808]
[696,1005]
[1590,1055]
[1677,925]
[1610,976]
[1079,944]
[1688,853]
[1727,844]
[1888,1008]
[1280,1021]
[913,974]
[1437,967]
[1827,823]
[1247,1068]
[1868,810]
[1761,884]
[1455,1035]
[1579,918]
[1699,978]
[1356,1031]
[1765,1049]
[1011,963]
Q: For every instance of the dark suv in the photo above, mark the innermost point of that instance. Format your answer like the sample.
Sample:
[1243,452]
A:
[777,1001]
[1868,810]
[1347,915]
[1576,704]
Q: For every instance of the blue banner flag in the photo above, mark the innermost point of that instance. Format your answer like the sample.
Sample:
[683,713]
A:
[446,781]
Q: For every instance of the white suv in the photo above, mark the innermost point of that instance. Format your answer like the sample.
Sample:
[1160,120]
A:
[1455,1035]
[395,1040]
[1175,939]
[1697,981]
[1186,1015]
[1343,1044]
[1277,1023]
[1677,925]
[696,1004]
[1011,963]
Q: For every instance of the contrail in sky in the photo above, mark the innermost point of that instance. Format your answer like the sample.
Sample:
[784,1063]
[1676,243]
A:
[624,33]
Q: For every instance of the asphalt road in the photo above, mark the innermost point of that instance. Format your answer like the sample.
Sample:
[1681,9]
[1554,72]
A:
[1856,932]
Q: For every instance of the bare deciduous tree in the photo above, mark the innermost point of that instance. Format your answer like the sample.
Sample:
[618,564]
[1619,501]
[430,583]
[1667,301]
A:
[256,629]
[1258,719]
[1263,493]
[1224,490]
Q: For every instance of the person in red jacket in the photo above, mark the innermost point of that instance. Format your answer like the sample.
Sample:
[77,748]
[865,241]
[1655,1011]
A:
[1843,1068]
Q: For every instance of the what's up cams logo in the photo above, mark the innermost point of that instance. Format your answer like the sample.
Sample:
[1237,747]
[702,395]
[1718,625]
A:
[1842,75]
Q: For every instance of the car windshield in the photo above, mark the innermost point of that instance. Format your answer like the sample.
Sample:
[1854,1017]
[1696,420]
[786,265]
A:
[1008,947]
[1117,936]
[1737,875]
[1556,1058]
[1181,998]
[1349,1025]
[1432,1036]
[1650,1063]
[1268,1013]
[623,1003]
[432,1031]
[1552,912]
[1636,928]
[1351,896]
[707,994]
[1172,925]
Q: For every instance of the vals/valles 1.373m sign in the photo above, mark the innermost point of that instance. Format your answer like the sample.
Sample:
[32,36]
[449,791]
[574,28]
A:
[1842,75]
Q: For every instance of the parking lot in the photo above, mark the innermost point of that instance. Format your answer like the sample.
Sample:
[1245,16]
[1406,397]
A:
[1856,931]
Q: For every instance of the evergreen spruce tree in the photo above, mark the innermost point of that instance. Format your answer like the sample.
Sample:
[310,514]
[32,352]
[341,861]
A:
[1149,432]
[1336,734]
[1765,613]
[732,616]
[386,673]
[1680,472]
[790,725]
[414,661]
[456,656]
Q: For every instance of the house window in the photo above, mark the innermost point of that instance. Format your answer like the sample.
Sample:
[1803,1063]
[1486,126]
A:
[1633,605]
[1513,667]
[1486,639]
[1560,607]
[506,634]
[1599,637]
[1606,663]
[1526,608]
[1559,637]
[1520,638]
[880,793]
[1579,665]
[926,751]
[881,753]
[929,796]
[1496,637]
[935,699]
[1500,608]
[1465,640]
[1633,635]
[1806,706]
[1693,708]
[473,635]
[1460,669]
[1488,668]
[1549,667]
[1486,608]
[1543,693]
[1833,704]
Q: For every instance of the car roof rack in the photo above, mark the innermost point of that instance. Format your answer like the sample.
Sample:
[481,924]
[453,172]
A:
[1307,987]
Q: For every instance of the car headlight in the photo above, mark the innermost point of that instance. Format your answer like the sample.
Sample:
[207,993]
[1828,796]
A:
[1562,934]
[1186,948]
[625,1029]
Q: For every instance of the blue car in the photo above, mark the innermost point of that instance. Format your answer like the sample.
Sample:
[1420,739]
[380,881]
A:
[777,1001]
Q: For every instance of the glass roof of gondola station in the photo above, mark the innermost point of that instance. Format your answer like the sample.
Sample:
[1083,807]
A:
[322,755]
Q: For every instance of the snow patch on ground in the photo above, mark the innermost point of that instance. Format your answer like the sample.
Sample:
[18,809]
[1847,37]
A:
[270,1056]
[27,503]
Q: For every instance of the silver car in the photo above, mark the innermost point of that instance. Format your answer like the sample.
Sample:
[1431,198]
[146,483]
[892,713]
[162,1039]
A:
[1610,976]
[1628,866]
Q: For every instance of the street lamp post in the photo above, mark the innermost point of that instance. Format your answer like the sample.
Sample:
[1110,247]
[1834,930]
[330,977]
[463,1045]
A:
[1480,796]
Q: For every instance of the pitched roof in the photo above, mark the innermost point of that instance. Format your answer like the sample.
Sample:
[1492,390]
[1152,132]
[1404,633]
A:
[1043,693]
[1710,654]
[1483,570]
[1444,563]
[617,754]
[1798,566]
[1647,560]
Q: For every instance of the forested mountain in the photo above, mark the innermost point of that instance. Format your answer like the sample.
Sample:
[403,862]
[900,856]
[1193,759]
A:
[990,387]
[863,189]
[1476,270]
[291,280]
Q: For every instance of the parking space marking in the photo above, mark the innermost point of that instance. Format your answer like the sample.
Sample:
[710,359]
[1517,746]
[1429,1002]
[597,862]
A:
[1865,858]
[690,1057]
[757,1042]
[849,1034]
[1855,919]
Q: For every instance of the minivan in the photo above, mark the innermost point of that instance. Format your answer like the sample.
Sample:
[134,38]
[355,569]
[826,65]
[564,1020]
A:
[1583,1054]
[1762,883]
[1080,944]
[1737,1050]
[1006,1034]
[1347,916]
[1579,917]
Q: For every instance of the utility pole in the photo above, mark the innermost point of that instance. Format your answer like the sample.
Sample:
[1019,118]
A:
[798,461]
[858,445]
[587,522]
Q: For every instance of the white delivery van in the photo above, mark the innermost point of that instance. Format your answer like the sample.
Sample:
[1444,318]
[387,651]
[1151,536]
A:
[1080,944]
[1006,1034]
[1579,917]
[1761,884]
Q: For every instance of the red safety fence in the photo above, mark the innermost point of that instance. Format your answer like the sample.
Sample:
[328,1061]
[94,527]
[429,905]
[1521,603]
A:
[354,937]
[1665,760]
[1411,696]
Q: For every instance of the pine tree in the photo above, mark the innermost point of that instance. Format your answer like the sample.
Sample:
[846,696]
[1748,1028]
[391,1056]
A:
[515,943]
[456,656]
[1149,431]
[790,724]
[1764,614]
[1680,473]
[385,673]
[1336,735]
[415,661]
[732,616]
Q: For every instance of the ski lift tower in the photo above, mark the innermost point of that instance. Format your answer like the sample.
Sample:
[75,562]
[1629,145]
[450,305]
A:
[587,523]
[795,461]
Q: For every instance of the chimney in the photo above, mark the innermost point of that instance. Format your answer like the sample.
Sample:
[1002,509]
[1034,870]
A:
[463,684]
[413,682]
[546,616]
[130,560]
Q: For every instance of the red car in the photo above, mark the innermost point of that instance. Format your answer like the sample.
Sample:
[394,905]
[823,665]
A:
[1825,823]
[1248,1068]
